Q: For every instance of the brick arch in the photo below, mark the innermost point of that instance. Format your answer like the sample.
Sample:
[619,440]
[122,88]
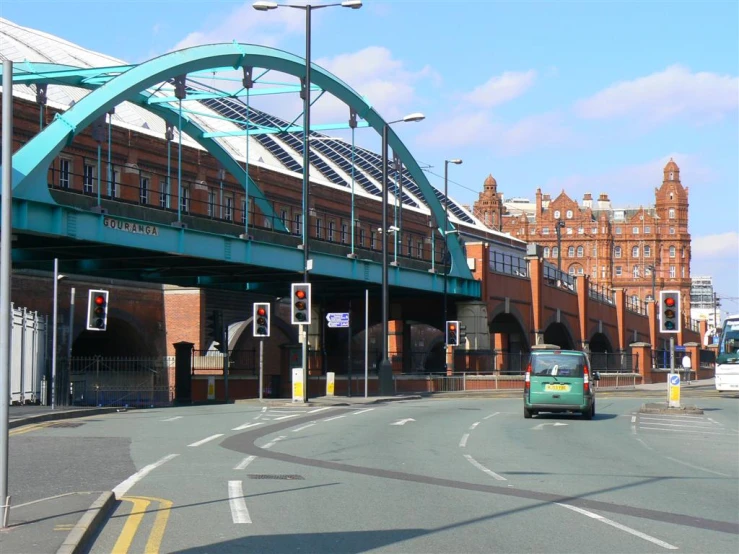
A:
[122,338]
[513,317]
[598,341]
[594,332]
[236,330]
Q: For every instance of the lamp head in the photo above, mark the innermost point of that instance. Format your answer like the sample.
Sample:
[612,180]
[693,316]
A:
[414,117]
[456,161]
[353,4]
[264,6]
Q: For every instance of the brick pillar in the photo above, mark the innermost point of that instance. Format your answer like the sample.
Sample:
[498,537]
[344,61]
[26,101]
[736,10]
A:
[620,322]
[500,346]
[702,329]
[395,344]
[641,353]
[536,278]
[583,290]
[652,314]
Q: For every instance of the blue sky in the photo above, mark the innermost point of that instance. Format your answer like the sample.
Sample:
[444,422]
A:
[588,96]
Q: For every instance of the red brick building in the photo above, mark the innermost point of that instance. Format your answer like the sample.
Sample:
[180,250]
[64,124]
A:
[635,248]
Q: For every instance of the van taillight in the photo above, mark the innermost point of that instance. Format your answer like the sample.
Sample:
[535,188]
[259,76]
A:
[586,379]
[527,383]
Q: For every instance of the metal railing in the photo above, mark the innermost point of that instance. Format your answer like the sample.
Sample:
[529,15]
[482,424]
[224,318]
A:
[614,362]
[635,306]
[601,294]
[500,262]
[553,277]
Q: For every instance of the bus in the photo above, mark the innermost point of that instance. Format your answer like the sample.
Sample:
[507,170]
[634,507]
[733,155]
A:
[727,361]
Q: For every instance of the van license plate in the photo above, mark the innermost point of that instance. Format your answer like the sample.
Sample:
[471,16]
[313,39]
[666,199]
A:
[560,388]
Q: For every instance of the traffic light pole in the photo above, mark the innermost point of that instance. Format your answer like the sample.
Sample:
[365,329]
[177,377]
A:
[225,363]
[261,368]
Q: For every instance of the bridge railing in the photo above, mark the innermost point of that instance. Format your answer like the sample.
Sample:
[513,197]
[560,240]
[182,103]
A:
[553,277]
[635,306]
[501,262]
[602,294]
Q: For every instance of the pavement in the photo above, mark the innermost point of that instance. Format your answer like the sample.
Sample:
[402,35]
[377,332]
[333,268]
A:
[78,516]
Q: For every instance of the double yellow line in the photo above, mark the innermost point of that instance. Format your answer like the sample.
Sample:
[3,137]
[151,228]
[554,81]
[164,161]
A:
[139,504]
[28,428]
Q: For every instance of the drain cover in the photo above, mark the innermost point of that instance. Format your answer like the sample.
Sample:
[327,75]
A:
[281,477]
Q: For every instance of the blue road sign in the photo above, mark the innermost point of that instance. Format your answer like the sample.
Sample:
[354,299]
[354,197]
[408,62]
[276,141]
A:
[337,319]
[675,380]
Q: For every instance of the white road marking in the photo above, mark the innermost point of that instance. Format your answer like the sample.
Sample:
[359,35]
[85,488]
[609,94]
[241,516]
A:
[463,442]
[482,468]
[655,421]
[246,426]
[173,418]
[680,430]
[245,462]
[239,511]
[207,439]
[645,444]
[122,488]
[633,419]
[491,415]
[333,418]
[612,523]
[714,421]
[542,425]
[285,417]
[362,411]
[403,421]
[472,427]
[287,412]
[669,416]
[697,467]
[271,443]
[303,427]
[319,410]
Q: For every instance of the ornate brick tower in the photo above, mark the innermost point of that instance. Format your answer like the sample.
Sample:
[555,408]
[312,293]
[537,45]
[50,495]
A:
[489,206]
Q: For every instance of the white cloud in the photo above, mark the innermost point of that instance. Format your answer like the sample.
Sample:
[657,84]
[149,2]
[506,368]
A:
[501,88]
[479,129]
[634,183]
[701,97]
[723,245]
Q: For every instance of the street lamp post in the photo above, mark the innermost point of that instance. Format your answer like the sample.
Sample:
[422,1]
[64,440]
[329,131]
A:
[385,368]
[560,224]
[305,94]
[456,161]
[653,271]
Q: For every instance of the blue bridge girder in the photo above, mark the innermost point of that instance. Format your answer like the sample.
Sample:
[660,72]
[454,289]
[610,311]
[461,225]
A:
[36,212]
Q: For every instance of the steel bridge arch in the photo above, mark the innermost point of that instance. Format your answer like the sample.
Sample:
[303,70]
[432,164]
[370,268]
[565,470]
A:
[38,153]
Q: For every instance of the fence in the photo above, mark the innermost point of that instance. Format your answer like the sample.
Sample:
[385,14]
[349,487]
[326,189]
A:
[29,349]
[509,264]
[614,362]
[556,278]
[601,294]
[98,381]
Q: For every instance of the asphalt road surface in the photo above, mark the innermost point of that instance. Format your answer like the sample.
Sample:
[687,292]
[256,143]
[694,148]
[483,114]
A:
[422,476]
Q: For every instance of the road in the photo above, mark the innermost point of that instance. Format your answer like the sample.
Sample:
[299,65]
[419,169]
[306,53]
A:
[423,476]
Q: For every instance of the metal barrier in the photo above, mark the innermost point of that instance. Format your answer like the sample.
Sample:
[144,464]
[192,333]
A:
[29,347]
[618,380]
[98,381]
[614,362]
[553,277]
[509,264]
[601,294]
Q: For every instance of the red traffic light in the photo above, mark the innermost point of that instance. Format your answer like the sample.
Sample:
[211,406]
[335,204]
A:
[261,311]
[300,293]
[669,301]
[100,300]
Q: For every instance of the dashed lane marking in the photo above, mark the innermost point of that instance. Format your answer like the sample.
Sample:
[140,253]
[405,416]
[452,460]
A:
[463,441]
[482,468]
[239,511]
[245,462]
[206,439]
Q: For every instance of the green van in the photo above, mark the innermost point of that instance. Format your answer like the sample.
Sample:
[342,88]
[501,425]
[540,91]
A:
[559,381]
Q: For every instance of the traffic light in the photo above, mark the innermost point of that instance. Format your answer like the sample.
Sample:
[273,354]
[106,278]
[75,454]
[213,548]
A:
[462,332]
[97,310]
[260,322]
[670,316]
[300,306]
[452,333]
[214,329]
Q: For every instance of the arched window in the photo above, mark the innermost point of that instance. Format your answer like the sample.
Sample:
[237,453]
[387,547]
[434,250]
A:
[546,251]
[580,251]
[647,251]
[571,251]
[635,252]
[572,270]
[617,252]
[671,213]
[636,271]
[555,252]
[672,251]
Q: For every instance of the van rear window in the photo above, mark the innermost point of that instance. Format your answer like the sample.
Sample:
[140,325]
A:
[558,365]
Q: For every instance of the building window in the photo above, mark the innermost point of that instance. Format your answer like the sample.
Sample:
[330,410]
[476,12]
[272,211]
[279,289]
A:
[546,251]
[647,251]
[318,228]
[683,272]
[113,188]
[602,272]
[672,251]
[572,270]
[410,247]
[569,230]
[635,230]
[361,237]
[211,203]
[419,248]
[683,252]
[580,271]
[617,252]
[672,272]
[580,231]
[331,230]
[635,252]
[569,214]
[618,230]
[571,251]
[228,213]
[344,233]
[545,230]
[635,300]
[143,189]
[88,178]
[298,224]
[185,199]
[65,170]
[580,251]
[557,214]
[671,213]
[636,272]
[373,240]
[648,270]
[618,271]
[672,230]
[283,217]
[595,250]
[647,230]
[164,194]
[594,230]
[555,252]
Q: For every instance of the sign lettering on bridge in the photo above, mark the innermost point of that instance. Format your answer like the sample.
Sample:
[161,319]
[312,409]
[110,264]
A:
[338,319]
[130,227]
